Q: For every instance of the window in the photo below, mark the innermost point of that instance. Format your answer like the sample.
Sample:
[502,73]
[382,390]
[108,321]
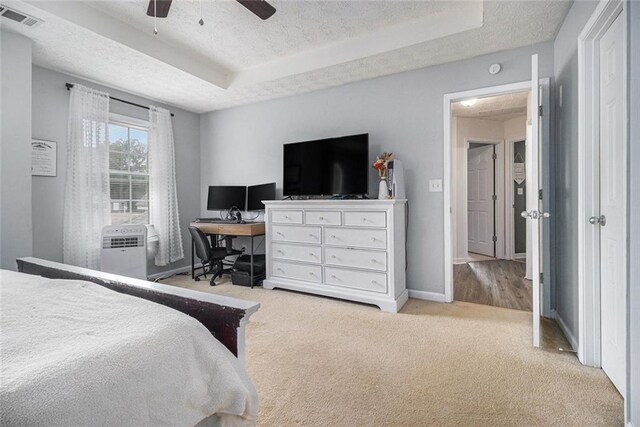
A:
[128,171]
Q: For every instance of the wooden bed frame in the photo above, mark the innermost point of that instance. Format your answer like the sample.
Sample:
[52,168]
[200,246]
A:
[224,317]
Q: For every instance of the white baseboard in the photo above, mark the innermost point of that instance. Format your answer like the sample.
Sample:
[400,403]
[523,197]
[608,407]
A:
[520,256]
[567,333]
[429,296]
[168,273]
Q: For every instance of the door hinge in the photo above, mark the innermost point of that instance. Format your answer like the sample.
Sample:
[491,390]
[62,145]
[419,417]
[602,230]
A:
[540,194]
[540,110]
[494,156]
[495,238]
[541,277]
[494,197]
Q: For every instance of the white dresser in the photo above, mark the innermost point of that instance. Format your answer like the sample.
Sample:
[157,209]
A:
[349,249]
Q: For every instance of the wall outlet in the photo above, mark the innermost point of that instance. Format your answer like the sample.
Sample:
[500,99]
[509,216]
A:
[243,248]
[435,186]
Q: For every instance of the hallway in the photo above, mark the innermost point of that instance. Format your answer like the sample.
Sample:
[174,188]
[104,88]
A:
[499,283]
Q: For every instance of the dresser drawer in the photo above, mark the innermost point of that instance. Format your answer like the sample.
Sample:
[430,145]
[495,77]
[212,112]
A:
[356,258]
[296,252]
[362,238]
[289,270]
[296,234]
[365,219]
[322,217]
[286,217]
[369,281]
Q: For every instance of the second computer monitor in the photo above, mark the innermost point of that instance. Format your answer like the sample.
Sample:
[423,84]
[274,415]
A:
[224,197]
[257,193]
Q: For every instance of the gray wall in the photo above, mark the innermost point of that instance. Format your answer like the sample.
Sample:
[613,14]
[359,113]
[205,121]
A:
[15,149]
[401,112]
[566,162]
[50,114]
[633,356]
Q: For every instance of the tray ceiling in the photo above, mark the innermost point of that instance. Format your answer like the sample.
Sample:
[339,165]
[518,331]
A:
[236,58]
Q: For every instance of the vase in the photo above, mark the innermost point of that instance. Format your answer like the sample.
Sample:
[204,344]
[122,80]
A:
[383,189]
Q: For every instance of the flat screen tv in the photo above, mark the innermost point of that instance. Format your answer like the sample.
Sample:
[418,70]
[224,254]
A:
[327,167]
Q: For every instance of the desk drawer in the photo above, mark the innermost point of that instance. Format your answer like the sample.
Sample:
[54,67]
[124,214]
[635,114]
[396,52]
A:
[296,252]
[365,219]
[360,238]
[369,281]
[322,217]
[286,217]
[295,234]
[289,270]
[359,258]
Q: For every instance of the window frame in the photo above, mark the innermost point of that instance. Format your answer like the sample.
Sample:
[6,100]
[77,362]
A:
[130,123]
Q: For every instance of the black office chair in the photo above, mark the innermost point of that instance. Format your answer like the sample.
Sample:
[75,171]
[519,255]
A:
[211,257]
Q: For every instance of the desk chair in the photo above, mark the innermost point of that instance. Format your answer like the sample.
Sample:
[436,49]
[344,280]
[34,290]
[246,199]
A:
[211,258]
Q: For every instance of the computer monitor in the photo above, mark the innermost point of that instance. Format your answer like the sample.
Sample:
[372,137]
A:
[257,193]
[223,197]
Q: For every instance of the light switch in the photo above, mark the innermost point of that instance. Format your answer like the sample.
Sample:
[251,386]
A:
[520,191]
[435,186]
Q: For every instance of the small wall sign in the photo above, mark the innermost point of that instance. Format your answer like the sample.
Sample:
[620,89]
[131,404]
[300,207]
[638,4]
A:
[43,158]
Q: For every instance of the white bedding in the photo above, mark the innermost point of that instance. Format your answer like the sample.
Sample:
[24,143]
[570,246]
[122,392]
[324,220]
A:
[74,353]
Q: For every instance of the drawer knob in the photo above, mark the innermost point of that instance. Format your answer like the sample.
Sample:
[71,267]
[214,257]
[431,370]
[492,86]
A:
[311,254]
[313,235]
[333,276]
[364,219]
[321,218]
[333,236]
[311,273]
[279,269]
[280,252]
[279,233]
[373,260]
[287,217]
[373,282]
[373,239]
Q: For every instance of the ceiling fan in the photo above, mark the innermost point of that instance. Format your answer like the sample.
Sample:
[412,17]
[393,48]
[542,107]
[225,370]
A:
[260,8]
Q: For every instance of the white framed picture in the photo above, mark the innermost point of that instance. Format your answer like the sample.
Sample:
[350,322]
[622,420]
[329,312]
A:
[44,158]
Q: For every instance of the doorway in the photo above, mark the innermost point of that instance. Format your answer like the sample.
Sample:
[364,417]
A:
[489,134]
[603,210]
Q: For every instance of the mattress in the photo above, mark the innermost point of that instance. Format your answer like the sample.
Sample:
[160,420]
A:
[76,353]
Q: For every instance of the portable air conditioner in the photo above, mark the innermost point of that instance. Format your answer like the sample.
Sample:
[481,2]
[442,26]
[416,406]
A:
[124,250]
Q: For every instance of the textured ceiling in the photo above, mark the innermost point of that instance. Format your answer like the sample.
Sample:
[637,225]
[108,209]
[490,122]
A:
[234,39]
[502,107]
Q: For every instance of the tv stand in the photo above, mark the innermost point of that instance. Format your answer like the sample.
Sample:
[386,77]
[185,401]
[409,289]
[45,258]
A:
[348,249]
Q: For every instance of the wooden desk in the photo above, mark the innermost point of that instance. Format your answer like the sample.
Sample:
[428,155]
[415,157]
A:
[250,229]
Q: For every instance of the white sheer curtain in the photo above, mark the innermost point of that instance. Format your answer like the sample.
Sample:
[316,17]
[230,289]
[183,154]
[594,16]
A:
[86,203]
[163,196]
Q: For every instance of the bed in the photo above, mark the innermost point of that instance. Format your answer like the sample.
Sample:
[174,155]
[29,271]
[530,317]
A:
[81,347]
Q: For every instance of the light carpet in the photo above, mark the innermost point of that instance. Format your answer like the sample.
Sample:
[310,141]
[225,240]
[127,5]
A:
[323,362]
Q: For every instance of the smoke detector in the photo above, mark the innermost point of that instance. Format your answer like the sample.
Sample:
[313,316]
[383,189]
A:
[20,17]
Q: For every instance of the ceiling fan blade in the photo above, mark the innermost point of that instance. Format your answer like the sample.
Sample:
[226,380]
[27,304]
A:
[163,8]
[260,8]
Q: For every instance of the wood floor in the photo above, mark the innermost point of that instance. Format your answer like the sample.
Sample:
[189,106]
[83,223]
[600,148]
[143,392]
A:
[500,283]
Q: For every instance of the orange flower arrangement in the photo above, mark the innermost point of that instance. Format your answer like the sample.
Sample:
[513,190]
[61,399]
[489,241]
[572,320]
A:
[381,163]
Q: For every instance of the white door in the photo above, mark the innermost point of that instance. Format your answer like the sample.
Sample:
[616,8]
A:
[480,203]
[534,212]
[612,221]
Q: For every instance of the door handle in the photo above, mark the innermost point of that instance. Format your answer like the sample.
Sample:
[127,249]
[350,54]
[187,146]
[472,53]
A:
[600,220]
[535,214]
